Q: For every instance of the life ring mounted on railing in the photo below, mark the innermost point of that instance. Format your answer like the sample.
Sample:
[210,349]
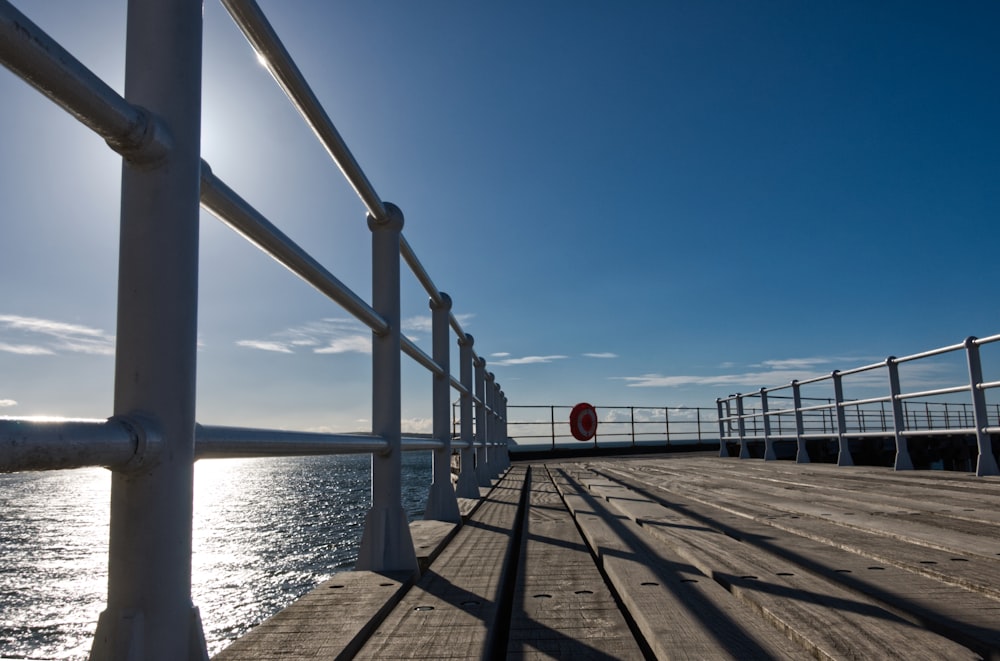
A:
[583,421]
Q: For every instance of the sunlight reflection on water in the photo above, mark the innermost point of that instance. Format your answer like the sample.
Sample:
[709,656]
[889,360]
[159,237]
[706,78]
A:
[265,532]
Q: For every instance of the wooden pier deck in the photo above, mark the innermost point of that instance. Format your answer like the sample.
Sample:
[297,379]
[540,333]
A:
[678,557]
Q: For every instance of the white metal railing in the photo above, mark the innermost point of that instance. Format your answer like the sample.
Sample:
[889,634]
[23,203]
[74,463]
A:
[151,441]
[541,426]
[765,416]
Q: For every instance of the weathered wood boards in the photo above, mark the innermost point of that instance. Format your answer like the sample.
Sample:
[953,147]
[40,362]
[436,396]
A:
[453,611]
[562,608]
[675,557]
[680,612]
[865,532]
[330,621]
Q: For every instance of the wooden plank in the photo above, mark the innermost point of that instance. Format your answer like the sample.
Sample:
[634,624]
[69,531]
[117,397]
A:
[562,608]
[899,543]
[452,610]
[329,622]
[856,561]
[429,539]
[681,613]
[832,621]
[904,515]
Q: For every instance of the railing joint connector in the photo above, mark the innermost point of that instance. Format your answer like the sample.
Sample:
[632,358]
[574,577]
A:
[147,143]
[148,439]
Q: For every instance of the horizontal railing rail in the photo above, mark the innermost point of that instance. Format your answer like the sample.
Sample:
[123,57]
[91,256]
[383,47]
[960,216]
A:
[151,441]
[618,426]
[899,415]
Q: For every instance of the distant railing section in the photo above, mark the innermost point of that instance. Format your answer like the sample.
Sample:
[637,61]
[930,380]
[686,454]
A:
[770,414]
[151,441]
[534,426]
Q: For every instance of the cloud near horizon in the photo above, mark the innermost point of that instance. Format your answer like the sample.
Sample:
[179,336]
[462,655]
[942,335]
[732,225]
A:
[785,371]
[32,336]
[606,354]
[7,403]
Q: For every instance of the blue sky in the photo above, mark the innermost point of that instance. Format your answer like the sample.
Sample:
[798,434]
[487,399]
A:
[645,203]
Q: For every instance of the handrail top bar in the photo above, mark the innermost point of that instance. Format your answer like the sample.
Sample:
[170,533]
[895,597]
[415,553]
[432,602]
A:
[418,270]
[988,385]
[932,352]
[457,385]
[43,63]
[767,391]
[864,368]
[228,206]
[262,37]
[987,340]
[419,355]
[870,400]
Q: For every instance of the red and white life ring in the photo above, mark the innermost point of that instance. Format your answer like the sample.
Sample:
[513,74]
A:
[583,422]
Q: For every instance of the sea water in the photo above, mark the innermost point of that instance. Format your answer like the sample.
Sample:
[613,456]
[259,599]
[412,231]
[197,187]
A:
[265,532]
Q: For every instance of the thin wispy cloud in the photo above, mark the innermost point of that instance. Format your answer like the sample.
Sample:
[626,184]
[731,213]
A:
[421,324]
[784,371]
[7,403]
[25,349]
[276,347]
[795,363]
[529,360]
[606,354]
[775,377]
[348,344]
[418,324]
[32,336]
[777,372]
[326,336]
[499,354]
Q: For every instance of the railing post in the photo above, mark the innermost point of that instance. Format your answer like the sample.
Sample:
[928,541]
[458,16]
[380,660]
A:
[768,441]
[386,543]
[801,453]
[741,428]
[666,421]
[482,470]
[631,412]
[492,427]
[150,614]
[552,425]
[501,432]
[723,449]
[467,486]
[506,433]
[844,450]
[987,463]
[442,505]
[902,461]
